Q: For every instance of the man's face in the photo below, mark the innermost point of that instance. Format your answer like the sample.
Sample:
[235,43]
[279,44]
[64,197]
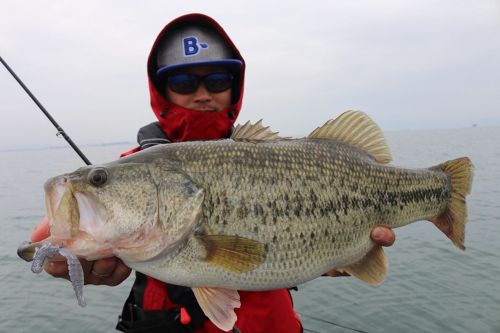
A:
[201,99]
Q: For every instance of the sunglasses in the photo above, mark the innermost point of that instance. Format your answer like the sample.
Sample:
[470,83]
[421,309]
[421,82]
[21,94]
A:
[186,84]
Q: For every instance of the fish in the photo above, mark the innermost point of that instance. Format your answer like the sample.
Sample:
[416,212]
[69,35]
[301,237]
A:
[255,212]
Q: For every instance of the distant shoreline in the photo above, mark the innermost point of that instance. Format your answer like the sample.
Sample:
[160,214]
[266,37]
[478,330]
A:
[116,143]
[66,146]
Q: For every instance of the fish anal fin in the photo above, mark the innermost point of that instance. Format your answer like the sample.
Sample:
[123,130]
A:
[371,268]
[233,253]
[218,305]
[357,129]
[255,133]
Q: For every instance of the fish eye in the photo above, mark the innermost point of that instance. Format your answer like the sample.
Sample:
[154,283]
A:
[98,177]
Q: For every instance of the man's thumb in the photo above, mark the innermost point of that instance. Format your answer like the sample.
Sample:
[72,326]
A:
[41,231]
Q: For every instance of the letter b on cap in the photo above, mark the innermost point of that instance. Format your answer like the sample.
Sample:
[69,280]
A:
[190,46]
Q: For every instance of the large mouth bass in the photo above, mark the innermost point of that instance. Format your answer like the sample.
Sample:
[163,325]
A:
[254,212]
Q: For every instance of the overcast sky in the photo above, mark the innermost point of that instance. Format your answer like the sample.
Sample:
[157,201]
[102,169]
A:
[409,64]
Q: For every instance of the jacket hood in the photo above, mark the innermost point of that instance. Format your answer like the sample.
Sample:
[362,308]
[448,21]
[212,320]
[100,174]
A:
[162,108]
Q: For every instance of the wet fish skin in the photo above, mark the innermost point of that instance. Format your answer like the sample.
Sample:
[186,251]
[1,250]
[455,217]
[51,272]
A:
[311,202]
[256,212]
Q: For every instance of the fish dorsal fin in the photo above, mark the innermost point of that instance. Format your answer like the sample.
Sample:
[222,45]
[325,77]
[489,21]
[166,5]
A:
[254,133]
[371,268]
[218,305]
[357,129]
[233,253]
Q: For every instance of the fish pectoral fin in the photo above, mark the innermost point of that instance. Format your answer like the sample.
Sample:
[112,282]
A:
[233,253]
[357,129]
[255,133]
[371,268]
[218,305]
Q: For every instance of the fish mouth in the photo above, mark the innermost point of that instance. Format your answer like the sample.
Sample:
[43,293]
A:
[27,250]
[74,220]
[63,213]
[62,208]
[70,212]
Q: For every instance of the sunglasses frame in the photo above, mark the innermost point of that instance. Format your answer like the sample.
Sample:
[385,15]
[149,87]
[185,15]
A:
[198,79]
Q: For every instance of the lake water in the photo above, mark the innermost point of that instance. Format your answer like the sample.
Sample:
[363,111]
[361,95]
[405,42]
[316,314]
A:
[431,286]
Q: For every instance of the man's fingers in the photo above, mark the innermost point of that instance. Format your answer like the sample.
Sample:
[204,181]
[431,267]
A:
[120,274]
[86,266]
[57,269]
[383,236]
[41,231]
[103,268]
[109,271]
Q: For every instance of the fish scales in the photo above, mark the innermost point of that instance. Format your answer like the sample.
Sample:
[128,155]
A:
[311,202]
[255,212]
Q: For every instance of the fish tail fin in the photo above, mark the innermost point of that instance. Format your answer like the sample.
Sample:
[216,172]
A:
[452,221]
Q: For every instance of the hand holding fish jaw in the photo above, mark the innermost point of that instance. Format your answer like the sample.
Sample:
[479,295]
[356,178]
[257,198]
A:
[107,271]
[112,271]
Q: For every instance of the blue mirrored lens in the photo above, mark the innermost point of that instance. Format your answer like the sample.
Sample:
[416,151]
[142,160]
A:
[188,83]
[218,82]
[183,83]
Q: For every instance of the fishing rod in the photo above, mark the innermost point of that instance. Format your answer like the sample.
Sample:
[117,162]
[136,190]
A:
[329,322]
[60,131]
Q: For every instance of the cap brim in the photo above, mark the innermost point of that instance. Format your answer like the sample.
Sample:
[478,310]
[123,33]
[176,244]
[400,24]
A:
[231,64]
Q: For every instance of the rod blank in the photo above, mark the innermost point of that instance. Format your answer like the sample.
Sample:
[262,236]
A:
[60,131]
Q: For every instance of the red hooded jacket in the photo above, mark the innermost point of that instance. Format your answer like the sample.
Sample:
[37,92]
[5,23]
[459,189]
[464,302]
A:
[260,312]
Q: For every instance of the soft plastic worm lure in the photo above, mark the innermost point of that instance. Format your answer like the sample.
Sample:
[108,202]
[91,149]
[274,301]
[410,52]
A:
[74,267]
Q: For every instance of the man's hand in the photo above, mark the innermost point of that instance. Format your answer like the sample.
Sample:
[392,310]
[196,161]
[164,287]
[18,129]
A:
[112,271]
[108,271]
[382,236]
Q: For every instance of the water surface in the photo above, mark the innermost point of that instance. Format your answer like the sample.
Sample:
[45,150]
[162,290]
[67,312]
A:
[431,286]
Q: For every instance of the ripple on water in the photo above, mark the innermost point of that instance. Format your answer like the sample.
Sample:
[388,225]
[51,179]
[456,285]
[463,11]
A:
[431,286]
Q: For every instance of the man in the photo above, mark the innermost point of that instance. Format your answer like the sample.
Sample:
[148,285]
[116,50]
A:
[196,79]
